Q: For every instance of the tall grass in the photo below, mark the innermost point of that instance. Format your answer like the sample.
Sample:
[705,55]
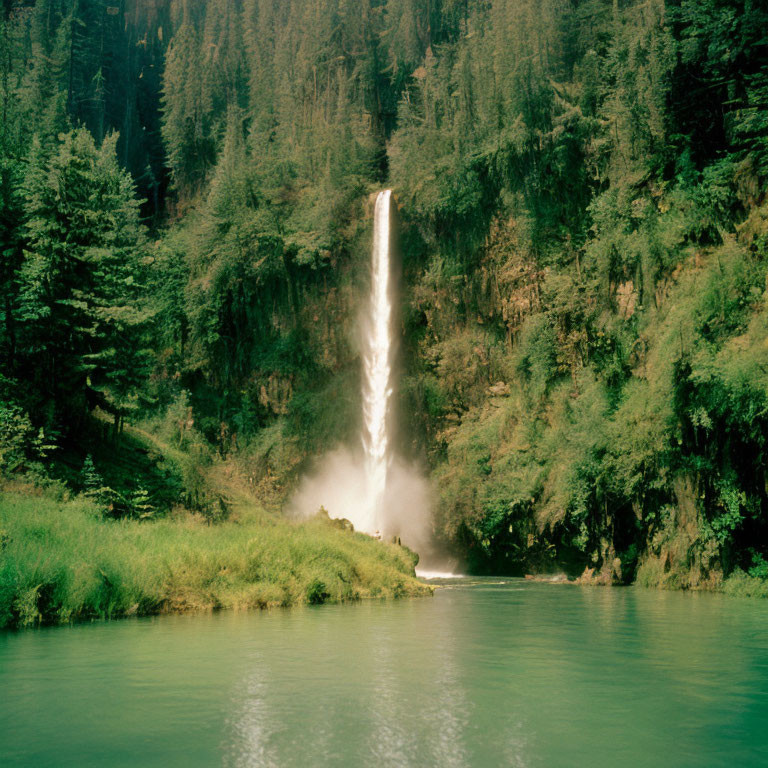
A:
[60,561]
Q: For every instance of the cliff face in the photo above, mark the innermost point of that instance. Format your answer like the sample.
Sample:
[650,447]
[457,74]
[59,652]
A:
[586,300]
[577,425]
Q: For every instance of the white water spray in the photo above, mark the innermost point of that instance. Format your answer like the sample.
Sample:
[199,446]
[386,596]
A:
[373,488]
[377,368]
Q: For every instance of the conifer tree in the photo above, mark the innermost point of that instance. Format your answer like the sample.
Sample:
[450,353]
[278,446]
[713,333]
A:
[79,306]
[46,88]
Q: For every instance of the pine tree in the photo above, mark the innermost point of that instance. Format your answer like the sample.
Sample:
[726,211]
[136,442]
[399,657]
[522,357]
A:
[91,479]
[11,255]
[47,85]
[79,307]
[187,118]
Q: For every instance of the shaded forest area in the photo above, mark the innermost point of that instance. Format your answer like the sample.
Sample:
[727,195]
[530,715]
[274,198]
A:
[185,235]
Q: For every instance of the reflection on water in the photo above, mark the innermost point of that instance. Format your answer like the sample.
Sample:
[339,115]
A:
[362,699]
[249,744]
[486,673]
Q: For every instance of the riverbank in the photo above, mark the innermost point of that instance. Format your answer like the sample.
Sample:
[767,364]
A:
[738,584]
[62,561]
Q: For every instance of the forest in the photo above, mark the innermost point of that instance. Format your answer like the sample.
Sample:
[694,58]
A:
[185,229]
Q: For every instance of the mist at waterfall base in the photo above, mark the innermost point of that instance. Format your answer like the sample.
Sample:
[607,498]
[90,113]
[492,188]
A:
[373,488]
[340,484]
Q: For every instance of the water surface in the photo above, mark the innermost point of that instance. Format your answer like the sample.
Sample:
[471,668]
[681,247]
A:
[489,673]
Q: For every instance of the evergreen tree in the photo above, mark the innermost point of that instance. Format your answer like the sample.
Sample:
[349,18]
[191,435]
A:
[11,255]
[79,305]
[188,122]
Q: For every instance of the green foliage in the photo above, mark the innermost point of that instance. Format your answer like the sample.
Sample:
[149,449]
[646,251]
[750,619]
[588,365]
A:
[602,236]
[730,503]
[581,194]
[537,352]
[80,314]
[22,445]
[316,592]
[759,569]
[108,501]
[140,504]
[20,442]
[92,480]
[740,584]
[62,562]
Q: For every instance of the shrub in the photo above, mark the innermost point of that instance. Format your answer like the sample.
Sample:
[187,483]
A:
[21,445]
[317,592]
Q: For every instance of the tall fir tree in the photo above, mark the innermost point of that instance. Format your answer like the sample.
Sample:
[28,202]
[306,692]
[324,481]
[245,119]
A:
[79,307]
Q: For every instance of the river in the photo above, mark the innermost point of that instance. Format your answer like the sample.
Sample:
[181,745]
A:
[489,672]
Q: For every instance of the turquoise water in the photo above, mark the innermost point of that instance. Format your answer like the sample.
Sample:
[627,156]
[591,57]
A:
[488,673]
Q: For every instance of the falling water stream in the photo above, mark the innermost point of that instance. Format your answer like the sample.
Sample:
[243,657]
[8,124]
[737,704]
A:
[377,368]
[379,491]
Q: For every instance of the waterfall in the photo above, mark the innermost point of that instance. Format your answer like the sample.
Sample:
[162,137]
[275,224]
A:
[377,490]
[377,368]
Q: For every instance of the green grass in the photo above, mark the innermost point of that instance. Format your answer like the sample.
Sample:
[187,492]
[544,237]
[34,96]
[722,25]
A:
[61,562]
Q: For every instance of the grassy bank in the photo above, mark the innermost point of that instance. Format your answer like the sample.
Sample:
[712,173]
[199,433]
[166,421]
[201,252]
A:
[60,561]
